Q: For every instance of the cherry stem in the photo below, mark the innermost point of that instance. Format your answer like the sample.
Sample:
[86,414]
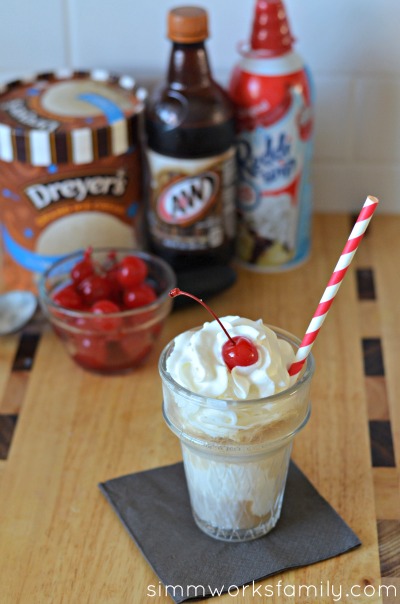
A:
[178,292]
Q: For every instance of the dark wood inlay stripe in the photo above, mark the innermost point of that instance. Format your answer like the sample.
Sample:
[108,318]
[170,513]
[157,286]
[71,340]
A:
[7,427]
[373,357]
[389,547]
[14,392]
[365,284]
[382,451]
[26,351]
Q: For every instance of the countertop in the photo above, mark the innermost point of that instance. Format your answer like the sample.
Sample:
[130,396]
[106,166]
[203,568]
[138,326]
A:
[64,430]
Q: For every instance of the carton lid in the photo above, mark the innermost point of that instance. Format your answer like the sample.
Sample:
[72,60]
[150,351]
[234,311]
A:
[68,117]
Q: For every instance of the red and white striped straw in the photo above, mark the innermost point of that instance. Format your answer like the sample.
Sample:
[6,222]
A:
[334,283]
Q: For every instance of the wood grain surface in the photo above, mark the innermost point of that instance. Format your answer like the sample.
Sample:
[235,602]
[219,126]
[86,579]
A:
[60,542]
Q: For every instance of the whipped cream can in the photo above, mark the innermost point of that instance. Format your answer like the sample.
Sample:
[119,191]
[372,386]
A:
[272,93]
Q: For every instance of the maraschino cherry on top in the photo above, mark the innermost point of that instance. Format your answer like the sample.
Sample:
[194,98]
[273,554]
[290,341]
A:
[238,351]
[272,95]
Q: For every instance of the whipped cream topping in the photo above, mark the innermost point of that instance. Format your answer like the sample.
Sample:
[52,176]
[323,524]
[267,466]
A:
[196,361]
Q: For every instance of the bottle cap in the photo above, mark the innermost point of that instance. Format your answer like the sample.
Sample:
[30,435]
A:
[271,32]
[187,24]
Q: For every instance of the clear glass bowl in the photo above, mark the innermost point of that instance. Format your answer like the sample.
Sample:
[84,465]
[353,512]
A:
[108,343]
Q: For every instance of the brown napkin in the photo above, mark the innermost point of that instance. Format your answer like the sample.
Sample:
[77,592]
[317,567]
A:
[154,507]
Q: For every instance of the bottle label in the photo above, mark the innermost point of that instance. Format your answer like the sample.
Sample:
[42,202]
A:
[57,211]
[192,201]
[274,152]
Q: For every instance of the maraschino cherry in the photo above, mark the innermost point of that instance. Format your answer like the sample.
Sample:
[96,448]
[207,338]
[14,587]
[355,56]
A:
[237,351]
[84,268]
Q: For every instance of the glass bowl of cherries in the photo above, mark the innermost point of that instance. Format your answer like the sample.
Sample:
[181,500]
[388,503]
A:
[108,306]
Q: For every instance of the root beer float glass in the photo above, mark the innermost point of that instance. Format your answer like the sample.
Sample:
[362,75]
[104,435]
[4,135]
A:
[236,452]
[228,396]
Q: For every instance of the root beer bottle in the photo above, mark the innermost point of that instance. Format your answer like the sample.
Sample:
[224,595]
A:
[191,154]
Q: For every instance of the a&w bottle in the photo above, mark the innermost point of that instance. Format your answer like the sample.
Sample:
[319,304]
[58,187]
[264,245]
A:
[191,153]
[273,104]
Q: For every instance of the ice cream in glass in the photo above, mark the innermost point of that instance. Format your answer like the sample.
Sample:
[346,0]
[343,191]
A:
[228,396]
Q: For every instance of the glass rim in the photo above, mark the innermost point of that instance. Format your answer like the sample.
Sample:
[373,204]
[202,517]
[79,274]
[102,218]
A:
[49,303]
[305,376]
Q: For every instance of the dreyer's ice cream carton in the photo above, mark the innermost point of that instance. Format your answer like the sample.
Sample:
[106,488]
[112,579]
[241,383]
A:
[70,168]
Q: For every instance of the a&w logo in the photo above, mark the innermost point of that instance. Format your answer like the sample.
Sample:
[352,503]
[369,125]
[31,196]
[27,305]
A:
[187,199]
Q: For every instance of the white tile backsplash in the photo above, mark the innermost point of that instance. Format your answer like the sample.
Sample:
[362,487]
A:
[351,46]
[333,113]
[348,36]
[341,187]
[377,121]
[33,36]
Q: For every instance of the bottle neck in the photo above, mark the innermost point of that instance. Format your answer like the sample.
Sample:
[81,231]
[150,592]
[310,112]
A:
[189,66]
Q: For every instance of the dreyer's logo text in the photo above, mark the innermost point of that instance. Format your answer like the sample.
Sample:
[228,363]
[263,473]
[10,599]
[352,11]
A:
[187,199]
[78,189]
